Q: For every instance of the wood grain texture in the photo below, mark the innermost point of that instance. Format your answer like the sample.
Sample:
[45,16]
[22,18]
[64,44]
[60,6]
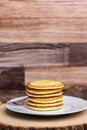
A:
[43,21]
[32,55]
[12,78]
[8,94]
[78,55]
[73,76]
[37,55]
[75,127]
[10,121]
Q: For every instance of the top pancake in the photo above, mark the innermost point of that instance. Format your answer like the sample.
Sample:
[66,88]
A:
[45,84]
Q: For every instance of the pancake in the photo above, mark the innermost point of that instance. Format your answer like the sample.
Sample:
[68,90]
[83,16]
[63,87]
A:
[35,91]
[44,95]
[46,100]
[46,108]
[45,104]
[45,84]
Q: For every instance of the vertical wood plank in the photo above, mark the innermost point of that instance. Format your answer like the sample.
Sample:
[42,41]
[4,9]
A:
[78,55]
[11,78]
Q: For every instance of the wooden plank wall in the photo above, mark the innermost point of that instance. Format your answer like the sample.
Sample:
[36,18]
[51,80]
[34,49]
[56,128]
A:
[43,39]
[63,62]
[34,55]
[43,21]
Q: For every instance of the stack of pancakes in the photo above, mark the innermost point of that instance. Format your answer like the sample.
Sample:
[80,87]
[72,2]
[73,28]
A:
[45,95]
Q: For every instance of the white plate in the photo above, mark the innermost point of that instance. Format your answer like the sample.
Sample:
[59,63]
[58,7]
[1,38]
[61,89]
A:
[71,105]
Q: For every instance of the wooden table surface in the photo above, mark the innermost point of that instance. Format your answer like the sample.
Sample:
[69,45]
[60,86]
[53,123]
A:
[15,121]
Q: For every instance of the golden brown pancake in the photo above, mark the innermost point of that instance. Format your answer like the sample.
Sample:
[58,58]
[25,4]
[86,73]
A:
[49,91]
[45,84]
[46,108]
[44,95]
[46,100]
[44,104]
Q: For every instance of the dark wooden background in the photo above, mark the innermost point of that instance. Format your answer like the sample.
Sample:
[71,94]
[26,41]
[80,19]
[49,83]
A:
[42,39]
